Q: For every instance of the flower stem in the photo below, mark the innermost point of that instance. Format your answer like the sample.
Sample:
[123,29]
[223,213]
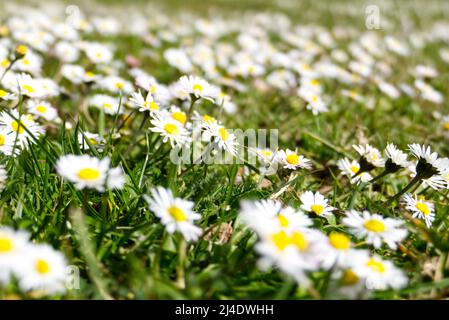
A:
[415,180]
[180,274]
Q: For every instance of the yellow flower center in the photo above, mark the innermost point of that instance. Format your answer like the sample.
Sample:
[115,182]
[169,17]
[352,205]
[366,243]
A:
[89,174]
[21,49]
[421,206]
[6,245]
[281,240]
[119,85]
[339,241]
[292,158]
[93,141]
[355,169]
[208,119]
[198,87]
[283,221]
[42,266]
[28,88]
[177,213]
[89,74]
[179,116]
[3,93]
[374,225]
[314,98]
[266,153]
[376,265]
[26,62]
[314,82]
[107,105]
[18,128]
[446,126]
[171,128]
[151,105]
[2,139]
[153,89]
[349,278]
[4,63]
[299,240]
[224,134]
[317,208]
[41,109]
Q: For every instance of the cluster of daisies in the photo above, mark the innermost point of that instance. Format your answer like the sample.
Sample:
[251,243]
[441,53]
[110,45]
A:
[35,267]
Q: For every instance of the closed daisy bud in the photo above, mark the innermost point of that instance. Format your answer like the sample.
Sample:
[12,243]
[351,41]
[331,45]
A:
[20,51]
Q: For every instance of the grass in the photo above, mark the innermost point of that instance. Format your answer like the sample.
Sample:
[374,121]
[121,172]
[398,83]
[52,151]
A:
[123,252]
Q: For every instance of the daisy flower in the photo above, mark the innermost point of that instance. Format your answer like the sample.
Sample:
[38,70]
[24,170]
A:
[315,203]
[396,159]
[338,250]
[193,86]
[95,140]
[90,172]
[21,126]
[375,228]
[420,207]
[178,59]
[292,160]
[115,84]
[379,274]
[430,168]
[222,138]
[109,104]
[144,104]
[176,214]
[8,144]
[12,245]
[42,268]
[171,130]
[42,109]
[5,95]
[370,157]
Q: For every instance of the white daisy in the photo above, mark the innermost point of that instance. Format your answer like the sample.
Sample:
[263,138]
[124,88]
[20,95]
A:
[375,228]
[171,130]
[12,245]
[144,104]
[90,172]
[109,104]
[396,159]
[188,86]
[176,214]
[42,109]
[315,203]
[23,127]
[420,207]
[370,157]
[292,160]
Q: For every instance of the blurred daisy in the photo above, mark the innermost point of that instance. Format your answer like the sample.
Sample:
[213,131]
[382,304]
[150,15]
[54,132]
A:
[316,203]
[109,104]
[42,109]
[12,245]
[22,127]
[420,207]
[338,250]
[375,228]
[144,104]
[176,214]
[42,268]
[90,172]
[192,86]
[95,140]
[292,160]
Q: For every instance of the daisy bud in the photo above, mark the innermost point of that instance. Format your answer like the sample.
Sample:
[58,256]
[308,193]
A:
[20,51]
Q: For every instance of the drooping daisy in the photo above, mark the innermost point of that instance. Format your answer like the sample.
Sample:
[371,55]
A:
[170,129]
[188,86]
[90,172]
[176,214]
[292,160]
[379,274]
[420,207]
[430,168]
[42,268]
[316,203]
[370,157]
[375,228]
[12,245]
[396,159]
[42,109]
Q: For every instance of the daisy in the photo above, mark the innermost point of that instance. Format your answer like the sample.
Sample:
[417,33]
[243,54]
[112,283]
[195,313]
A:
[370,157]
[12,245]
[171,130]
[95,140]
[98,53]
[8,144]
[379,274]
[375,228]
[396,159]
[115,84]
[222,138]
[178,59]
[109,104]
[315,203]
[292,160]
[351,170]
[42,268]
[430,168]
[42,109]
[176,214]
[144,104]
[90,172]
[420,207]
[5,95]
[192,86]
[23,127]
[338,250]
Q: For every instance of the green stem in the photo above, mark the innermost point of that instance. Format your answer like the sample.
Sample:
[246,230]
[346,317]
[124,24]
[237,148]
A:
[180,273]
[415,180]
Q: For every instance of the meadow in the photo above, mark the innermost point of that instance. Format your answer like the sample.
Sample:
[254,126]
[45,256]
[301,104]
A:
[314,141]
